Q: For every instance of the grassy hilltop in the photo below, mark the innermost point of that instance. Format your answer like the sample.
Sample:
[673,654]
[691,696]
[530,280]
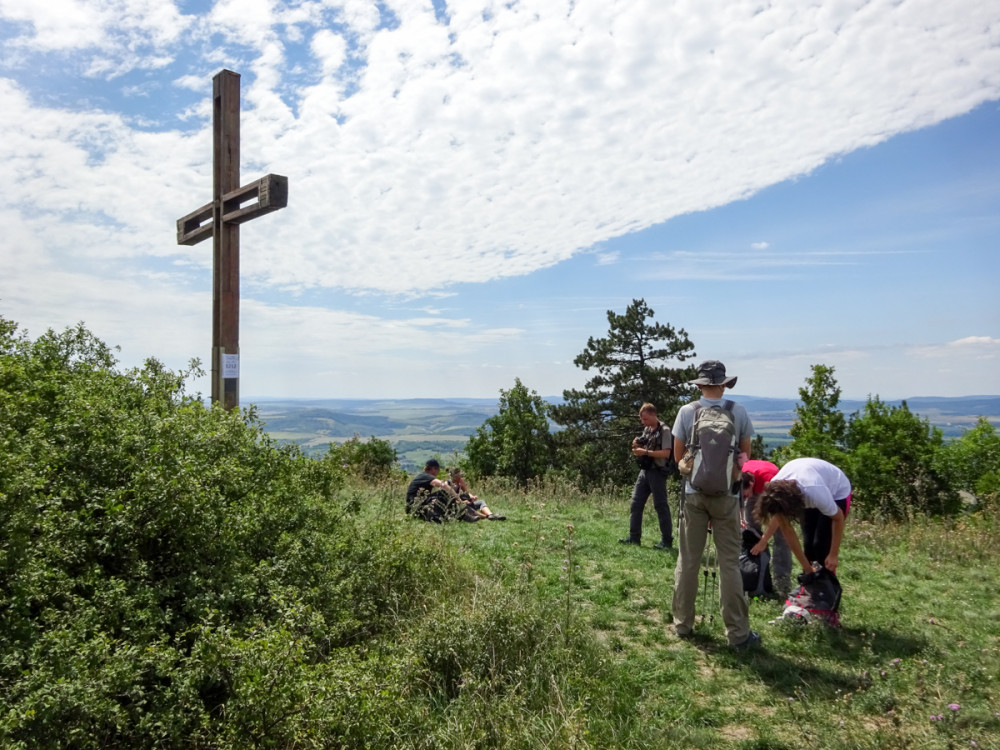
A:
[173,577]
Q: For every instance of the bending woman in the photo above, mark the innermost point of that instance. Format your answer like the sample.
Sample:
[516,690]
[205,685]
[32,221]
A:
[817,493]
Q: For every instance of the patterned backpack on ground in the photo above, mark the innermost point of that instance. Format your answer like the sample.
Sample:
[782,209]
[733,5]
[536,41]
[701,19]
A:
[710,462]
[818,596]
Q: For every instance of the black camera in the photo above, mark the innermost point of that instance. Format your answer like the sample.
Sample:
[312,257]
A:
[645,462]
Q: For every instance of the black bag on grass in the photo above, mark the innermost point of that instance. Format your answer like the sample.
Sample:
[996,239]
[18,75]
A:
[755,569]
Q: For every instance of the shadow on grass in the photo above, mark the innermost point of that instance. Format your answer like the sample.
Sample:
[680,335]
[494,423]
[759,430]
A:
[828,661]
[854,645]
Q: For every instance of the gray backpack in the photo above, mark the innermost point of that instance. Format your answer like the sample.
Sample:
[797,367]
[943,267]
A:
[712,450]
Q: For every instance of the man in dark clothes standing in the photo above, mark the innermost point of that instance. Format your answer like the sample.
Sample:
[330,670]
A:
[652,449]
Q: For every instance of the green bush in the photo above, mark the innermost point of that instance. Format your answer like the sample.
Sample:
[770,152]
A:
[372,459]
[164,564]
[974,462]
[894,462]
[171,577]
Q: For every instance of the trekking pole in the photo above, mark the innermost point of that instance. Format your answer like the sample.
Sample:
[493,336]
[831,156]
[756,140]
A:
[704,592]
[705,565]
[711,562]
[715,589]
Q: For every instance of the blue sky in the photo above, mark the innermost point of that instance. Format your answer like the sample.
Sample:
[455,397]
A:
[473,185]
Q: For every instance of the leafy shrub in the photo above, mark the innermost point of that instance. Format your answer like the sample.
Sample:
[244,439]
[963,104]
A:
[974,462]
[894,464]
[165,566]
[372,459]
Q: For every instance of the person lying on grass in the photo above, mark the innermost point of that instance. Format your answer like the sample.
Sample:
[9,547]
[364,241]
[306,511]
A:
[818,494]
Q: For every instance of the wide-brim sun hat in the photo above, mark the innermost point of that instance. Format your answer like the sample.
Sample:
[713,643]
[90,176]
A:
[713,372]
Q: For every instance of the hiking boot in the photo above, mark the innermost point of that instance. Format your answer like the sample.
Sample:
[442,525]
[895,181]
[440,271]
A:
[663,545]
[752,641]
[629,540]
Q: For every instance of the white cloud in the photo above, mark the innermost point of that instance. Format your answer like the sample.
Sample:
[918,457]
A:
[117,35]
[972,347]
[496,146]
[424,154]
[330,50]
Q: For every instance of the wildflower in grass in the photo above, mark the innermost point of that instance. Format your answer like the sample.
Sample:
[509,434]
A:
[954,706]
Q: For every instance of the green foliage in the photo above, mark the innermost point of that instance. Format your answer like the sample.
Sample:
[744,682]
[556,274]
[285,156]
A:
[820,428]
[168,576]
[516,441]
[974,461]
[372,458]
[758,448]
[600,420]
[894,464]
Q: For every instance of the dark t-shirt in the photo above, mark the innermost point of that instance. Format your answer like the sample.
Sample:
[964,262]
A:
[420,485]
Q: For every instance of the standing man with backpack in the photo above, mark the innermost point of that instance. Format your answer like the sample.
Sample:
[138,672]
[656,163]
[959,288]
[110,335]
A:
[652,450]
[713,436]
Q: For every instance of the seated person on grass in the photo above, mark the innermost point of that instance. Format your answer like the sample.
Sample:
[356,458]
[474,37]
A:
[432,499]
[459,485]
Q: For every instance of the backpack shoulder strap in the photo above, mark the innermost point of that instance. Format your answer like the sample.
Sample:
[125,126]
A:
[694,423]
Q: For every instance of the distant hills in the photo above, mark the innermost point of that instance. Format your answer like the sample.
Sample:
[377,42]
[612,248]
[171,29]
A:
[424,427]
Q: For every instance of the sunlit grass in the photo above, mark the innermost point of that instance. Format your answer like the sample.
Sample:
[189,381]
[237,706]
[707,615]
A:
[920,635]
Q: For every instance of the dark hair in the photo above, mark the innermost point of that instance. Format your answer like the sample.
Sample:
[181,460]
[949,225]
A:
[748,479]
[432,464]
[780,497]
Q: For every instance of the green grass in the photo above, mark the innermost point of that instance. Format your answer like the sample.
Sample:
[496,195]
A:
[920,615]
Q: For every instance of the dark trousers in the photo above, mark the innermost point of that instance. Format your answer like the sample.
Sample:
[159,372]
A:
[650,482]
[817,533]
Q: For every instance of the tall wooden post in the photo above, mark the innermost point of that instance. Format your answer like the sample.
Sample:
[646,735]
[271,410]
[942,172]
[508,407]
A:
[226,241]
[221,220]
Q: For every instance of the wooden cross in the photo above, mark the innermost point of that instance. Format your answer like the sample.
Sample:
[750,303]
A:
[221,221]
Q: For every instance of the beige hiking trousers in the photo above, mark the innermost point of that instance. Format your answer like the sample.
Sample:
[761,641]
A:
[723,512]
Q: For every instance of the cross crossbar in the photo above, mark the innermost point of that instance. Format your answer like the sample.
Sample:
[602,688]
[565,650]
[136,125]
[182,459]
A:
[270,193]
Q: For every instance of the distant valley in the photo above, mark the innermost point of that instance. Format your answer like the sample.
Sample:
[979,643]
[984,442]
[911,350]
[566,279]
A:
[420,428]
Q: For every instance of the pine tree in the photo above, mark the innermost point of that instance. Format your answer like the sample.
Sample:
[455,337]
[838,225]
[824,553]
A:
[630,369]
